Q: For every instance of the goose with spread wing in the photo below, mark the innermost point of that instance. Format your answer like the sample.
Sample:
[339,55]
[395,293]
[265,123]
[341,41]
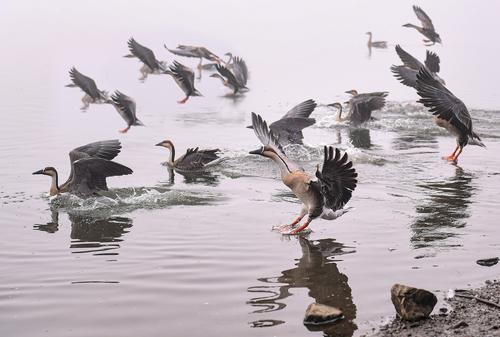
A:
[91,164]
[288,129]
[407,73]
[449,112]
[88,86]
[150,64]
[184,77]
[126,107]
[195,51]
[234,77]
[324,197]
[193,160]
[427,28]
[361,106]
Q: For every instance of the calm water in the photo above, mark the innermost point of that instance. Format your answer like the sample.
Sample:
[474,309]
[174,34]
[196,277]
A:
[195,255]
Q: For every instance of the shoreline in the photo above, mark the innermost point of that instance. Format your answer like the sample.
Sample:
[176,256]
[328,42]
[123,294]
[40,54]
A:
[466,317]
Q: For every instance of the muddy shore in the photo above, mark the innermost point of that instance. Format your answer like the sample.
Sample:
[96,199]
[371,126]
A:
[467,317]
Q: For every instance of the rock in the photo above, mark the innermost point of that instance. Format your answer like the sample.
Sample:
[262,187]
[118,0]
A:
[412,304]
[461,324]
[488,262]
[317,314]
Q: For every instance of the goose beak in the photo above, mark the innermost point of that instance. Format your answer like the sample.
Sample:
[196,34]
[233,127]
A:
[38,172]
[249,127]
[258,151]
[159,144]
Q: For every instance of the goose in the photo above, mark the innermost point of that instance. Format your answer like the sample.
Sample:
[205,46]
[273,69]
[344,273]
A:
[375,44]
[427,28]
[322,198]
[288,129]
[448,110]
[91,164]
[88,86]
[184,77]
[361,106]
[150,64]
[228,79]
[193,160]
[126,106]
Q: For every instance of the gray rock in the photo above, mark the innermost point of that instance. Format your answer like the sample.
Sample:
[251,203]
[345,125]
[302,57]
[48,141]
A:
[412,304]
[317,314]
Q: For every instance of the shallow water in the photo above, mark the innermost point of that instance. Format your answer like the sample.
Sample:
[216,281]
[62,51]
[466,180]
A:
[195,254]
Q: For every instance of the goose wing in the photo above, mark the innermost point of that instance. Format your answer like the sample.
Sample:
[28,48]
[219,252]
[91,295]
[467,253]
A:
[303,109]
[424,18]
[362,107]
[90,174]
[196,159]
[432,62]
[85,83]
[407,59]
[184,77]
[337,178]
[405,75]
[144,54]
[186,52]
[225,72]
[125,106]
[240,70]
[442,102]
[268,138]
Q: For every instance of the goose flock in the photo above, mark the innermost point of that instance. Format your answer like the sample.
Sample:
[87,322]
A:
[323,194]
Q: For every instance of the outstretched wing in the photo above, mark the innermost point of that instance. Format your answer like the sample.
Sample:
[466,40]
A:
[362,107]
[303,109]
[424,18]
[432,62]
[407,59]
[85,83]
[405,75]
[105,149]
[184,76]
[196,159]
[186,52]
[240,70]
[90,174]
[125,106]
[337,178]
[228,75]
[267,138]
[442,102]
[144,54]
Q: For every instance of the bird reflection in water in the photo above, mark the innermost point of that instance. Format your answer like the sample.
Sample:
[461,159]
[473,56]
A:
[99,236]
[317,271]
[358,137]
[444,212]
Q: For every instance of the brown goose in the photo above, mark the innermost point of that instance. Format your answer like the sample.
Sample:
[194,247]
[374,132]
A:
[288,129]
[361,106]
[324,197]
[427,28]
[90,166]
[449,112]
[150,64]
[126,106]
[229,79]
[88,86]
[194,158]
[184,77]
